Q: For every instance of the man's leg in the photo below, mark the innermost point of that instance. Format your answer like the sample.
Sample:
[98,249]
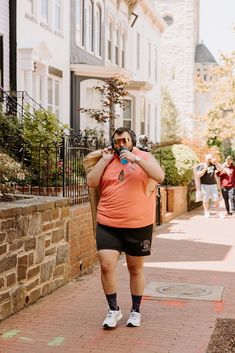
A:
[205,200]
[231,200]
[108,261]
[135,265]
[225,197]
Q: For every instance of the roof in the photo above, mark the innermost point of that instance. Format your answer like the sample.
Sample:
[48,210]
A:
[203,54]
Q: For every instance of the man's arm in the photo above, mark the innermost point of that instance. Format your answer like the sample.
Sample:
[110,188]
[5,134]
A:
[201,172]
[94,176]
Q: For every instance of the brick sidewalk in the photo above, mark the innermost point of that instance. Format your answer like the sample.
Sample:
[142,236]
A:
[190,249]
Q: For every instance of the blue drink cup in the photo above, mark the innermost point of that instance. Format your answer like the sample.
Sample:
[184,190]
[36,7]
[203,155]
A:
[123,160]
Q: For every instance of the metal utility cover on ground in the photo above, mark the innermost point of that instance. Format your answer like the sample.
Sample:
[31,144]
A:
[163,290]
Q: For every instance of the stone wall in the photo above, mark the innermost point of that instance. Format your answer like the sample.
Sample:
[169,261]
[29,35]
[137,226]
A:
[43,243]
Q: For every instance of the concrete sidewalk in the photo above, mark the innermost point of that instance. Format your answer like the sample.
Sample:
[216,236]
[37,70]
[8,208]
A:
[189,250]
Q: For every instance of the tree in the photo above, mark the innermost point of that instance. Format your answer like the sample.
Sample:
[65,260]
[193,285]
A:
[220,119]
[169,116]
[113,93]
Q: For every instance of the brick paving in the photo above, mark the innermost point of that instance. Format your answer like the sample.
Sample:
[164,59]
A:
[190,249]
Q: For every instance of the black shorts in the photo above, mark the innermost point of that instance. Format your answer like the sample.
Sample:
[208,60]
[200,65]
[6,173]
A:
[132,241]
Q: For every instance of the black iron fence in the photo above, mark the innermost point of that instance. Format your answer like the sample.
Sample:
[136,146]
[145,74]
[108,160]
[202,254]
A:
[56,168]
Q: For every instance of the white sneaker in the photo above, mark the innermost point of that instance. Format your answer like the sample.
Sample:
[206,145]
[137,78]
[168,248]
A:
[207,214]
[134,319]
[112,318]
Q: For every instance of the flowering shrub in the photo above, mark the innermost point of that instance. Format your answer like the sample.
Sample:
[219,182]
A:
[177,161]
[10,171]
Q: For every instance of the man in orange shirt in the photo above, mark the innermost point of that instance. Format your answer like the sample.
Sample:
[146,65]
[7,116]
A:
[127,179]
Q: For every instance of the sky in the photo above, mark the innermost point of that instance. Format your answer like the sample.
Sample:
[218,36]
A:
[217,20]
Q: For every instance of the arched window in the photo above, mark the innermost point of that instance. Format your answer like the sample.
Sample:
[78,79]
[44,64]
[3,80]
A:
[123,47]
[142,115]
[58,15]
[117,43]
[90,23]
[98,28]
[110,38]
[45,11]
[80,22]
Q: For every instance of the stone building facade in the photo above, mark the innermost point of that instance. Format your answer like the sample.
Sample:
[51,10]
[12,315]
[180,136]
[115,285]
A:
[178,45]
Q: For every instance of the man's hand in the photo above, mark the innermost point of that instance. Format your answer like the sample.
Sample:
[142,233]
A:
[107,154]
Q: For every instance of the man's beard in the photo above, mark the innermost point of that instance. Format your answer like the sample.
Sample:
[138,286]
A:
[118,150]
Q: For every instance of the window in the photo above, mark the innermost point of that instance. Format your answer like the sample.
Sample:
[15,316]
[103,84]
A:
[149,59]
[29,7]
[127,114]
[117,46]
[90,22]
[156,64]
[138,51]
[58,15]
[80,22]
[110,30]
[148,120]
[45,10]
[142,115]
[53,97]
[98,20]
[123,50]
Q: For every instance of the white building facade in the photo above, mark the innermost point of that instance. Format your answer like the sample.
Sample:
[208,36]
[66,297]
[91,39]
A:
[116,46]
[4,44]
[43,53]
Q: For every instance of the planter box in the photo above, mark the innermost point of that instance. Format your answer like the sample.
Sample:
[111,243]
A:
[174,202]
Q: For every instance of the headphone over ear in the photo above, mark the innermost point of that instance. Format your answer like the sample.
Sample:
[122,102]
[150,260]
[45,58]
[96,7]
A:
[124,129]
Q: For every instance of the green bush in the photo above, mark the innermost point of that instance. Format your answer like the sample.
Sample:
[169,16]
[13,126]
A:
[10,133]
[177,161]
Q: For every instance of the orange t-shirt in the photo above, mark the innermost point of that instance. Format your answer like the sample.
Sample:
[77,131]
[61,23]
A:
[124,201]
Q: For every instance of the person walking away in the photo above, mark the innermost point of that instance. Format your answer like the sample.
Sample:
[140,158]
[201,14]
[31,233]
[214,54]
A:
[127,179]
[227,180]
[207,173]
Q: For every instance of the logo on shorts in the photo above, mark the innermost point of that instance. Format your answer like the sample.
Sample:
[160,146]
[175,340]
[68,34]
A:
[145,245]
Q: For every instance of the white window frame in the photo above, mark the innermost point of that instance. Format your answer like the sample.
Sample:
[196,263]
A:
[52,106]
[30,3]
[90,26]
[80,23]
[117,45]
[149,59]
[123,50]
[60,7]
[129,100]
[138,51]
[142,115]
[98,30]
[110,40]
[46,19]
[156,65]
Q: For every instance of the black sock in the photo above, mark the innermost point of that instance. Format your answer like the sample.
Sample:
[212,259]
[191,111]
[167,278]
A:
[136,300]
[112,301]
